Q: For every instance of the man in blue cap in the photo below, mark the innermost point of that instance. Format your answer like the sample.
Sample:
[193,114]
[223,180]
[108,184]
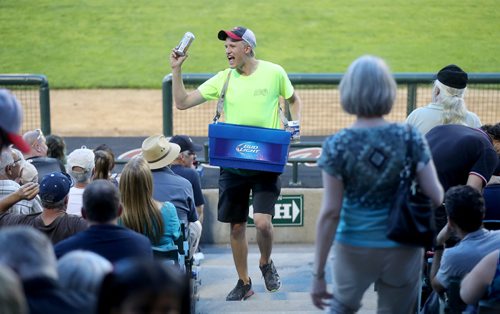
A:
[53,220]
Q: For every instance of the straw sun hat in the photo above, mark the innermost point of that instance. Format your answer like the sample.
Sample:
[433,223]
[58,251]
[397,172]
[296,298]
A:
[159,152]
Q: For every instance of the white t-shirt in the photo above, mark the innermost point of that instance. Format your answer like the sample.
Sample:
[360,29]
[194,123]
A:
[75,201]
[425,118]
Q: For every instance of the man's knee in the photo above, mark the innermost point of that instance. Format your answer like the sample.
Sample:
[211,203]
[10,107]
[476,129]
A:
[238,230]
[263,223]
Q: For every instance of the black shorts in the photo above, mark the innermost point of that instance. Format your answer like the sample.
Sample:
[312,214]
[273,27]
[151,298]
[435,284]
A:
[234,194]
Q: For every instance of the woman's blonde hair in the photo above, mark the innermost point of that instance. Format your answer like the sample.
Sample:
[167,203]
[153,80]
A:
[141,212]
[452,100]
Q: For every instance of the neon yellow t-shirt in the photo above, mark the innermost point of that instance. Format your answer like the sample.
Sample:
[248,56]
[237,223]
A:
[253,99]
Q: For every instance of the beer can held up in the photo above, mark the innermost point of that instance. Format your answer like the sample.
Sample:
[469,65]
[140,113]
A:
[184,44]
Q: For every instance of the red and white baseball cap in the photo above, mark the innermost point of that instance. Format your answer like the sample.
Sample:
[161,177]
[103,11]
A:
[239,33]
[11,118]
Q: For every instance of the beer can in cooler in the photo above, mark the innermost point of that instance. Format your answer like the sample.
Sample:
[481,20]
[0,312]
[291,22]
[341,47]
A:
[184,44]
[294,128]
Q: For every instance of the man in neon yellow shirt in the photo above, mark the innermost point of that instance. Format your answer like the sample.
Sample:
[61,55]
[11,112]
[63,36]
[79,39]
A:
[252,98]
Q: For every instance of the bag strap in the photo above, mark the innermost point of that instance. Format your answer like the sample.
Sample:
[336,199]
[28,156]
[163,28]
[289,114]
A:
[220,104]
[407,168]
[408,173]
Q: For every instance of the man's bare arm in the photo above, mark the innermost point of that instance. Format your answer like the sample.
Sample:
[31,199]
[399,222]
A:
[295,106]
[183,100]
[25,192]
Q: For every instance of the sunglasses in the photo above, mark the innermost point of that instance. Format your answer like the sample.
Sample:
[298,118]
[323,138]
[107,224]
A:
[189,153]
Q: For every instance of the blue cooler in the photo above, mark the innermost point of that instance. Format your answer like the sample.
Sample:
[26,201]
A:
[248,147]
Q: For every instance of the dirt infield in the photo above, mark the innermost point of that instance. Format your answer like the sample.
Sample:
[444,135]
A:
[138,112]
[106,112]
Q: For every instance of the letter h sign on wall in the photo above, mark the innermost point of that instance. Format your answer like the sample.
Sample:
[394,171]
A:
[288,211]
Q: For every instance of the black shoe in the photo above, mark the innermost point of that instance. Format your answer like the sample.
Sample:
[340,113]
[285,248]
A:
[241,291]
[271,277]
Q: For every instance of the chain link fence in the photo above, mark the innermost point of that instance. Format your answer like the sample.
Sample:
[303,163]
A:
[321,112]
[32,91]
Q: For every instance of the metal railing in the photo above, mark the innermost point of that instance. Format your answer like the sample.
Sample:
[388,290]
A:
[32,91]
[322,114]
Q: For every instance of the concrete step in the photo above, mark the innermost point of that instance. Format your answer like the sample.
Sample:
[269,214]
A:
[294,264]
[256,305]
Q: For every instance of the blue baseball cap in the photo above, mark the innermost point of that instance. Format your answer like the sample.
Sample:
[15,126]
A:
[55,186]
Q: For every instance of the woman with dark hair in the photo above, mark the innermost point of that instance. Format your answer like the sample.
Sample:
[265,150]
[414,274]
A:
[361,168]
[104,163]
[108,161]
[56,148]
[143,286]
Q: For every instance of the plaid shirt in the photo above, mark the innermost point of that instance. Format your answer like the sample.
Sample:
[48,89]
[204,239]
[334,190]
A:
[22,207]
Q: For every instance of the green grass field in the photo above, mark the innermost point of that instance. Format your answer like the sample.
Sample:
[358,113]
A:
[110,43]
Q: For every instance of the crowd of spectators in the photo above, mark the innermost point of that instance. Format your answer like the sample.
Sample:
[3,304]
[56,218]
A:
[76,237]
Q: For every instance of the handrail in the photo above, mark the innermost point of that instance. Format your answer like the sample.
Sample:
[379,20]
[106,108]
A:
[44,93]
[334,78]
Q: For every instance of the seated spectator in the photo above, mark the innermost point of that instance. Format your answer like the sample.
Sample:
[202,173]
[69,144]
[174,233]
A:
[10,125]
[141,213]
[463,156]
[103,165]
[38,154]
[483,281]
[183,165]
[80,166]
[142,286]
[101,208]
[82,272]
[28,173]
[56,148]
[15,172]
[113,176]
[169,187]
[12,299]
[8,186]
[29,253]
[465,209]
[53,220]
[448,104]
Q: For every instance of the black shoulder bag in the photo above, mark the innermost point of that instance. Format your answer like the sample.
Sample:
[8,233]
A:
[411,216]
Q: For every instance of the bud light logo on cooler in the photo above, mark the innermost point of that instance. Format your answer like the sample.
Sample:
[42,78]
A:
[249,150]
